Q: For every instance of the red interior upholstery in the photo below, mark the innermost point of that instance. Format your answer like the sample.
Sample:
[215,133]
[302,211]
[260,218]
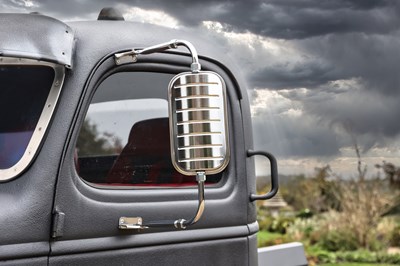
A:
[146,157]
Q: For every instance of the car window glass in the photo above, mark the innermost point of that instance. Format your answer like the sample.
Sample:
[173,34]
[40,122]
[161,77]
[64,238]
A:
[23,95]
[124,140]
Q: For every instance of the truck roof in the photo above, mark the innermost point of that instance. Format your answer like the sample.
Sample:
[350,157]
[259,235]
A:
[44,38]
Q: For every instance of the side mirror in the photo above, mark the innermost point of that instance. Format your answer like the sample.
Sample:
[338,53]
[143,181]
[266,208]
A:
[198,127]
[198,123]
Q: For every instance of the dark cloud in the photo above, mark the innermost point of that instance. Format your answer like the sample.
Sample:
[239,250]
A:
[296,75]
[326,123]
[338,40]
[288,19]
[373,59]
[362,113]
[366,116]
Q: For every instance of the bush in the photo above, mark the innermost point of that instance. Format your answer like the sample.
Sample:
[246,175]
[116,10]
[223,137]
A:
[265,223]
[388,258]
[305,214]
[326,257]
[280,224]
[336,240]
[302,229]
[363,256]
[358,256]
[395,237]
[275,225]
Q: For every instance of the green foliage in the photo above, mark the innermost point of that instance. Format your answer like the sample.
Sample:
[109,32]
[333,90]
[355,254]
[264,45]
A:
[275,225]
[358,256]
[305,214]
[302,229]
[338,240]
[90,142]
[363,202]
[281,224]
[388,258]
[395,237]
[324,256]
[265,222]
[353,221]
[316,193]
[355,264]
[366,256]
[266,239]
[392,173]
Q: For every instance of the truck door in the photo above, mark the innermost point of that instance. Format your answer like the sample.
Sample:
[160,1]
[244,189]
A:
[117,163]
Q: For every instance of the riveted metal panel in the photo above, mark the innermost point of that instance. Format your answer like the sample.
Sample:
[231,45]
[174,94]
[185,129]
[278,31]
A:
[36,37]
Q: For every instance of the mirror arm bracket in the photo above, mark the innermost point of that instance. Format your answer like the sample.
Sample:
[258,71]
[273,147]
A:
[128,223]
[211,79]
[131,56]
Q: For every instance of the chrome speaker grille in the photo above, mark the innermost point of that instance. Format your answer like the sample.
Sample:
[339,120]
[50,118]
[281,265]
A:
[198,123]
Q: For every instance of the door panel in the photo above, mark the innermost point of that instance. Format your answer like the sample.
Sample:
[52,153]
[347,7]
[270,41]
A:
[92,214]
[218,252]
[40,261]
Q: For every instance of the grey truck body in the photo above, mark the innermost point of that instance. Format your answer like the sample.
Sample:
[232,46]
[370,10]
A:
[50,216]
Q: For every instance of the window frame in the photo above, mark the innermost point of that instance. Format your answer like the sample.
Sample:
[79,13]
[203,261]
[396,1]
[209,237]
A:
[136,68]
[45,117]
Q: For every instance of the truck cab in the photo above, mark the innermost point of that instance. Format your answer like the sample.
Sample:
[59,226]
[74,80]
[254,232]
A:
[123,144]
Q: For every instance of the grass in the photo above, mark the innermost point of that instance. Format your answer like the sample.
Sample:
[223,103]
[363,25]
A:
[355,264]
[316,254]
[265,238]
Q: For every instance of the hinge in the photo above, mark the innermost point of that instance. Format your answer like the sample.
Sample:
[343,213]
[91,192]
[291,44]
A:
[58,224]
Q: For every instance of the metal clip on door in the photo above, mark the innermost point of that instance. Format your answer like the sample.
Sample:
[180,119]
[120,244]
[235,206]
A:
[274,175]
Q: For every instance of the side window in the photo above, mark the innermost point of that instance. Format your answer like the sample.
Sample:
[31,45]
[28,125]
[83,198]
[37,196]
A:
[124,139]
[28,95]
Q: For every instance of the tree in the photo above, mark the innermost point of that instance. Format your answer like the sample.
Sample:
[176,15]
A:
[91,142]
[392,173]
[363,202]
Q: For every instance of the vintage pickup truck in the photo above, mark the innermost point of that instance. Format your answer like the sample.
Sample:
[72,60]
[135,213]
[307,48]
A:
[123,144]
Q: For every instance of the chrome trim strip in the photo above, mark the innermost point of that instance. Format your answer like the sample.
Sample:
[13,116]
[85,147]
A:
[201,159]
[44,120]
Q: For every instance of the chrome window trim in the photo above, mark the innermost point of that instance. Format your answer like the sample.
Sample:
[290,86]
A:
[44,119]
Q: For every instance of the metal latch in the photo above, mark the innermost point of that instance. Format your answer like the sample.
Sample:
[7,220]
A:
[125,58]
[131,223]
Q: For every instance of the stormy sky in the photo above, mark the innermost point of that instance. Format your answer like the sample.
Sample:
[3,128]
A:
[322,75]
